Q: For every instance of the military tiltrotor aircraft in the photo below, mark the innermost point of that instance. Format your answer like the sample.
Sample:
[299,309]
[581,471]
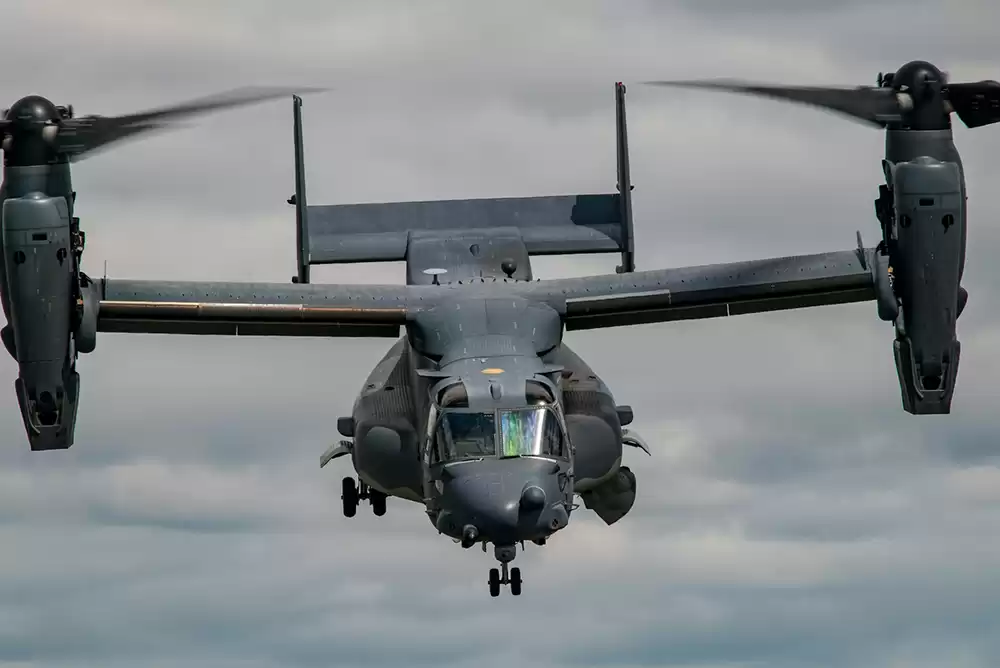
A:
[480,411]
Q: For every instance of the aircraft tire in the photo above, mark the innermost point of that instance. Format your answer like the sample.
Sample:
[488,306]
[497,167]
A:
[378,502]
[515,581]
[350,497]
[494,582]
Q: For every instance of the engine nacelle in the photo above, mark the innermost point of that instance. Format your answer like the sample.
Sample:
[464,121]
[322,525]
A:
[41,289]
[926,251]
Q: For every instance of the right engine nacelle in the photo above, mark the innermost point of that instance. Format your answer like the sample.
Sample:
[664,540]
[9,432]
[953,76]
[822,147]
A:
[46,308]
[926,253]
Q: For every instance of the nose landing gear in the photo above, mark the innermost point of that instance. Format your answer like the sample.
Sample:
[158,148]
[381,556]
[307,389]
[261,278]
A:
[505,575]
[356,492]
[508,576]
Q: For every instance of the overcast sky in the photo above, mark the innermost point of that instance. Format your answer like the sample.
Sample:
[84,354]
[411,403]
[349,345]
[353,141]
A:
[791,515]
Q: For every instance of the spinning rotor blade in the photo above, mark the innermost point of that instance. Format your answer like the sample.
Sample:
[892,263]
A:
[876,106]
[918,96]
[977,104]
[80,137]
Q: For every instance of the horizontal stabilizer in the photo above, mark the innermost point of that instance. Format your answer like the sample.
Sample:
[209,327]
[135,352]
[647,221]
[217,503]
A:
[380,232]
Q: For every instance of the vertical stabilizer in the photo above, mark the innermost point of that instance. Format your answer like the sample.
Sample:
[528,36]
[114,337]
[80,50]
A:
[624,182]
[299,200]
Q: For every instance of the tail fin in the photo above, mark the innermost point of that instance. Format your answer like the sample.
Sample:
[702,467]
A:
[299,198]
[548,225]
[624,182]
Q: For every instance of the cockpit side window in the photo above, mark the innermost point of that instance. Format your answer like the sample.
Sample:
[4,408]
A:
[436,446]
[553,436]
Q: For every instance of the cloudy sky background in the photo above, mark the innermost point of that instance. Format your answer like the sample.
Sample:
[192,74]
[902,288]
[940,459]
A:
[792,514]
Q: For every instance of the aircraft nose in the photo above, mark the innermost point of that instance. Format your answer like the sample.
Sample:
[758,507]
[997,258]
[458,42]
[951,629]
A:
[505,502]
[532,498]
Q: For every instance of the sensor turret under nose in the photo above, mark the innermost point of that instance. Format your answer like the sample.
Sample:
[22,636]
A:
[532,498]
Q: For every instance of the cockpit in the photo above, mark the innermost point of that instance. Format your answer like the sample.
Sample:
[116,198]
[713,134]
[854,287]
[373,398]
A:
[531,431]
[523,432]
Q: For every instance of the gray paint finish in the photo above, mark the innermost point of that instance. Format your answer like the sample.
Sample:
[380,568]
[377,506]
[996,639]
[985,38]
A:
[830,276]
[480,413]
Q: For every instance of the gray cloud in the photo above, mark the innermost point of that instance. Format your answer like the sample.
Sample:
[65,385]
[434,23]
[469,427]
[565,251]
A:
[791,514]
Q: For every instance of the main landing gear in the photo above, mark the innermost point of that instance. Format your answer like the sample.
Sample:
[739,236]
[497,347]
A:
[505,575]
[357,491]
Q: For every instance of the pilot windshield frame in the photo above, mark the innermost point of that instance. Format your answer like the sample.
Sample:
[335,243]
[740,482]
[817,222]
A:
[492,434]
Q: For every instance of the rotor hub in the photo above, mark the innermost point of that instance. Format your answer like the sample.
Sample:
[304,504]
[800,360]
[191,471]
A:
[920,89]
[33,113]
[32,125]
[920,79]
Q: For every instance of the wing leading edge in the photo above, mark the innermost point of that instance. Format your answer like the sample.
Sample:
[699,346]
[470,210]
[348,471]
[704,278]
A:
[715,290]
[615,300]
[253,309]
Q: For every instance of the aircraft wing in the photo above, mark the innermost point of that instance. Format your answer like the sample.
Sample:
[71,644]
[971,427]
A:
[714,290]
[633,298]
[253,309]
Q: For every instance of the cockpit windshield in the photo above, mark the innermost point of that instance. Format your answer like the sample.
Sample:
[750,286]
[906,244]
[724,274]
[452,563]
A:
[529,432]
[464,435]
[524,432]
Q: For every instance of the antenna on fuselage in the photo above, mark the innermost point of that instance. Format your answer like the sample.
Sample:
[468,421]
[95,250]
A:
[434,272]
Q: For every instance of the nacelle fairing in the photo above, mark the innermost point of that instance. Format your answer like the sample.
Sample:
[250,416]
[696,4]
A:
[52,315]
[918,278]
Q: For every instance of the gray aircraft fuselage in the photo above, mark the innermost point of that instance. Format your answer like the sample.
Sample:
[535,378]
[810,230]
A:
[502,357]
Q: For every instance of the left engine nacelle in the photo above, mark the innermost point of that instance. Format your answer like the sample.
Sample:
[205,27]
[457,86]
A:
[926,254]
[47,305]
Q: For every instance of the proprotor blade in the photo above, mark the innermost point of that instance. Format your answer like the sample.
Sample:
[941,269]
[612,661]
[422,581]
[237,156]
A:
[876,106]
[80,137]
[977,104]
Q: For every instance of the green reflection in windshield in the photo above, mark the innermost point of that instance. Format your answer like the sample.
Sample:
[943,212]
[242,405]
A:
[521,432]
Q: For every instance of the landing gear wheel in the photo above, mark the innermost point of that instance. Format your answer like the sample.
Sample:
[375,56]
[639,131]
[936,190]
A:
[494,582]
[515,581]
[350,497]
[505,575]
[356,491]
[378,500]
